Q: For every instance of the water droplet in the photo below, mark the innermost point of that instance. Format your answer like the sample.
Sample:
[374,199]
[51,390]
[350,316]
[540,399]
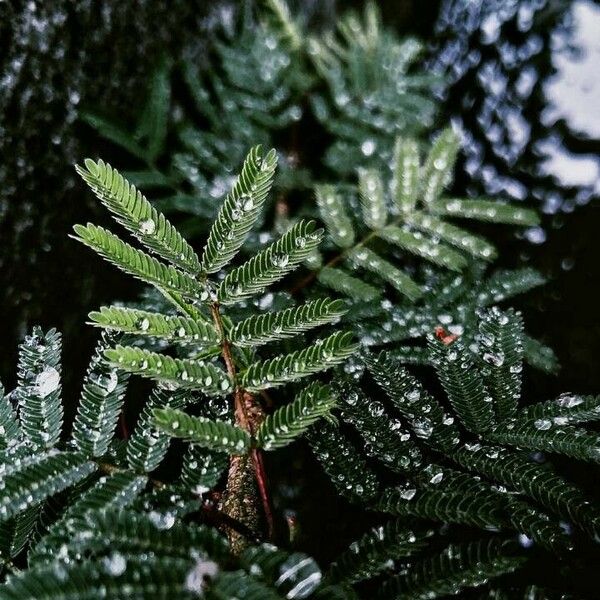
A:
[47,382]
[148,226]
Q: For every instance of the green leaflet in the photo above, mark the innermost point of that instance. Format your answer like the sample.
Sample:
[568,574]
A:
[172,328]
[100,404]
[135,213]
[271,264]
[463,384]
[479,510]
[405,185]
[457,567]
[367,259]
[536,481]
[341,282]
[215,435]
[501,342]
[333,212]
[202,468]
[145,578]
[240,210]
[423,412]
[180,371]
[374,210]
[566,409]
[262,329]
[467,242]
[137,263]
[146,446]
[369,555]
[386,440]
[484,210]
[39,388]
[416,243]
[343,463]
[10,431]
[543,434]
[322,355]
[28,481]
[291,421]
[439,165]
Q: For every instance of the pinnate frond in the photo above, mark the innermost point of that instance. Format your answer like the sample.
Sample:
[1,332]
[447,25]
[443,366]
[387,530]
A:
[27,481]
[372,195]
[100,404]
[334,215]
[137,263]
[501,346]
[353,287]
[484,210]
[405,184]
[457,567]
[39,387]
[291,421]
[146,446]
[463,384]
[10,431]
[566,409]
[202,468]
[140,322]
[135,213]
[439,165]
[343,463]
[369,555]
[271,264]
[262,329]
[364,257]
[215,435]
[239,210]
[322,355]
[183,372]
[423,412]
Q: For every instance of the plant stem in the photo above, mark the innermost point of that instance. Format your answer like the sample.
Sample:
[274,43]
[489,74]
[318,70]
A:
[243,473]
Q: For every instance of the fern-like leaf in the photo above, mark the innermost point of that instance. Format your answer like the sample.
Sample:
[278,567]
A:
[439,165]
[566,409]
[147,447]
[343,463]
[416,243]
[543,434]
[405,185]
[334,215]
[353,287]
[272,264]
[370,555]
[374,210]
[137,263]
[262,329]
[27,481]
[240,210]
[457,567]
[425,414]
[10,431]
[291,421]
[501,341]
[322,355]
[215,435]
[484,210]
[39,388]
[140,322]
[364,257]
[100,403]
[180,371]
[202,468]
[135,213]
[463,384]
